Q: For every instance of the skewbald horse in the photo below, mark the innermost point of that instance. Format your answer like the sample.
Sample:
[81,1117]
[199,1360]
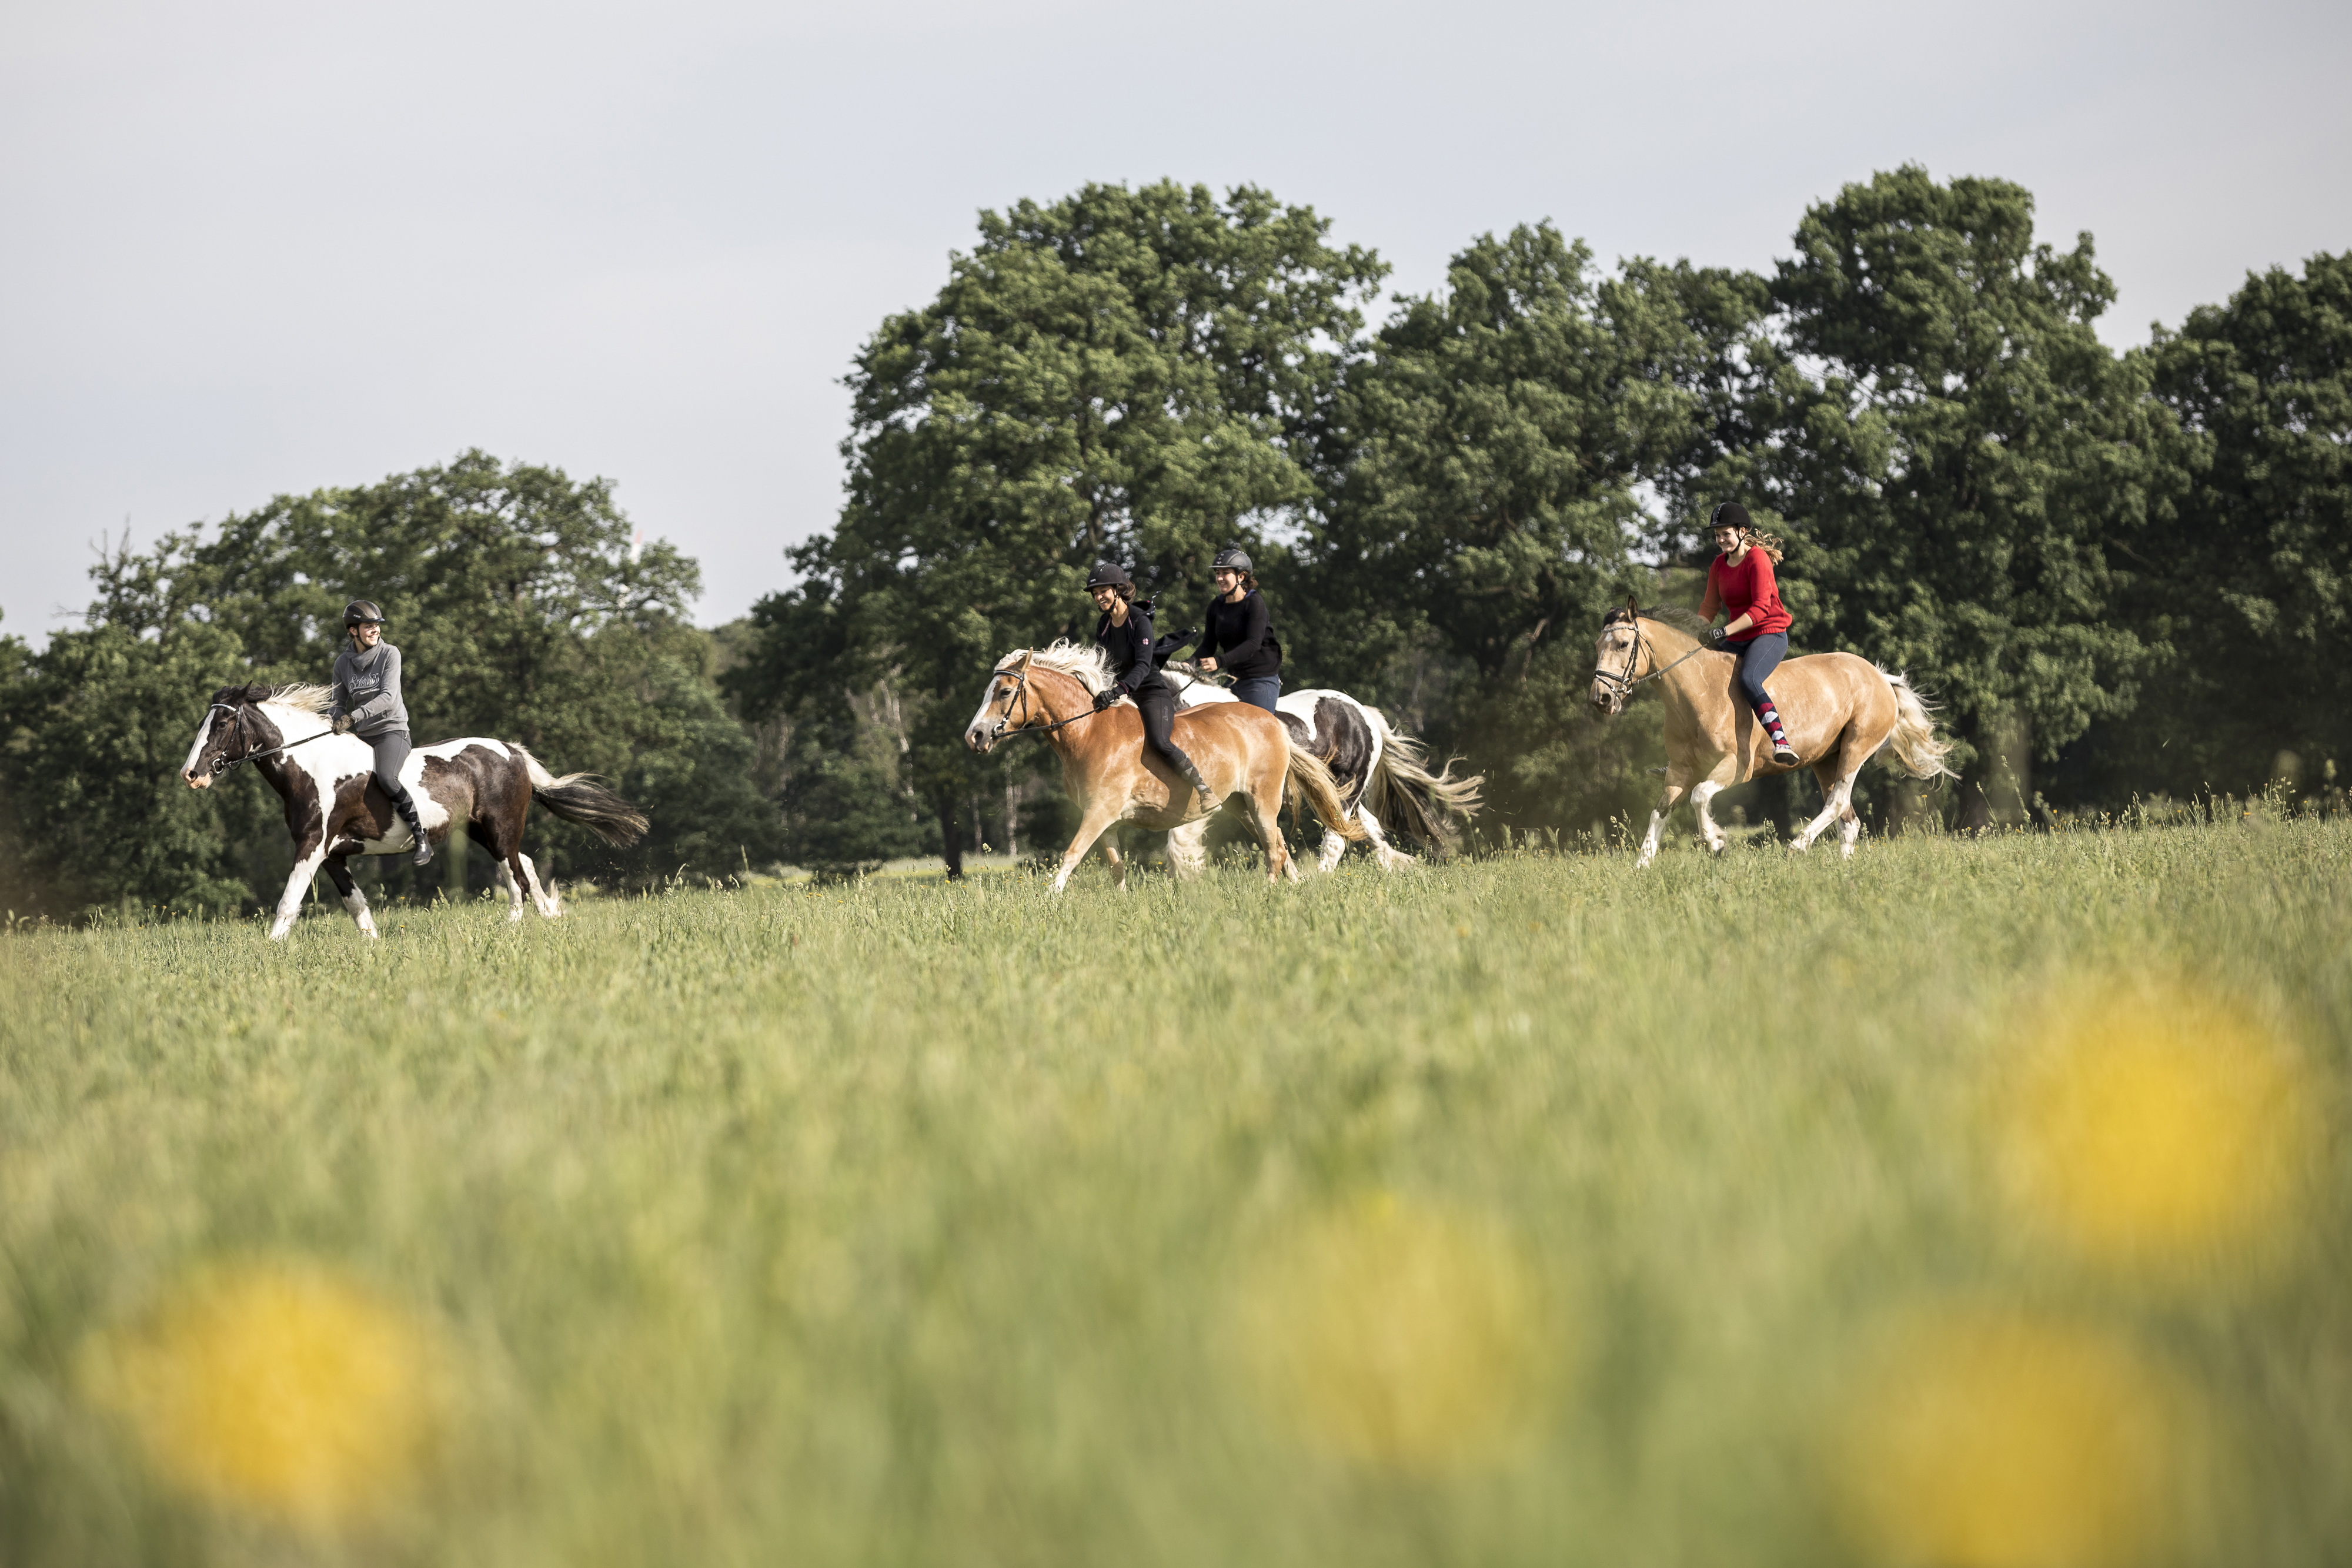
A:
[336,809]
[1241,751]
[1840,711]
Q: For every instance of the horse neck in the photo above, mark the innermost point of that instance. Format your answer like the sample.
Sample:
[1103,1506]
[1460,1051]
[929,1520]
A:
[1667,646]
[293,723]
[1057,696]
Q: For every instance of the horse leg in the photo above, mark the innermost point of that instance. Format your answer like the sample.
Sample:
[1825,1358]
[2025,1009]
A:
[1849,830]
[354,901]
[1384,853]
[1117,861]
[1703,791]
[541,895]
[1090,828]
[1658,823]
[1188,853]
[289,904]
[1333,849]
[1840,794]
[1266,813]
[509,883]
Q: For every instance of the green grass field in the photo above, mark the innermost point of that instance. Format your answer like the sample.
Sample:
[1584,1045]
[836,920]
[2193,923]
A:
[1965,1203]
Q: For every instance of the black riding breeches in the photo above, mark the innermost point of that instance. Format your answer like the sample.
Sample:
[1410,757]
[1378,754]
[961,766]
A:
[1159,714]
[391,750]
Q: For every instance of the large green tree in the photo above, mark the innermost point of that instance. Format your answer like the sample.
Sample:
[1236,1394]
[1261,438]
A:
[1959,459]
[1126,374]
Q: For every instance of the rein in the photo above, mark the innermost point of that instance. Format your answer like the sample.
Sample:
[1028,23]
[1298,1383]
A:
[222,764]
[1021,690]
[1620,684]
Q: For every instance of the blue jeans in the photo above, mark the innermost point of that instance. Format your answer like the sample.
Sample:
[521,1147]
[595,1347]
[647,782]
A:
[1259,691]
[1759,657]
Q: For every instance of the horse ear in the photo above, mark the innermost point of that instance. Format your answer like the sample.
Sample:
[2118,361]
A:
[1633,607]
[1026,654]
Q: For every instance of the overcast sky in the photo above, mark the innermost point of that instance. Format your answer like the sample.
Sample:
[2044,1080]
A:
[254,247]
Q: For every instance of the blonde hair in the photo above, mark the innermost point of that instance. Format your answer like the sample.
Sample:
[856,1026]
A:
[1768,543]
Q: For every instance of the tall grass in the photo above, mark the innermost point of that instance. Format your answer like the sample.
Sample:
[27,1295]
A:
[1535,1209]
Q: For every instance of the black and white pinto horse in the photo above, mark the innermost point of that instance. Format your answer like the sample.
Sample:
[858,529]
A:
[336,809]
[1383,777]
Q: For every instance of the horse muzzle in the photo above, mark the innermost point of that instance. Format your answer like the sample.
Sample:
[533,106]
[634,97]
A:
[1607,703]
[983,737]
[198,779]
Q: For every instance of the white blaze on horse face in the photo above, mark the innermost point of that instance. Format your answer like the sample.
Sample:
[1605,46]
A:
[195,753]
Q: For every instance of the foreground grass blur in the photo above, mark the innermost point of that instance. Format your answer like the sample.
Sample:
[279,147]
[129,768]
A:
[1965,1203]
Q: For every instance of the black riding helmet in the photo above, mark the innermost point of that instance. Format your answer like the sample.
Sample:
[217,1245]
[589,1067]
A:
[1233,557]
[1730,515]
[1109,574]
[360,612]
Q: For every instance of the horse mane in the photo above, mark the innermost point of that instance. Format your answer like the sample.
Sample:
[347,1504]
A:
[1684,620]
[1082,662]
[304,698]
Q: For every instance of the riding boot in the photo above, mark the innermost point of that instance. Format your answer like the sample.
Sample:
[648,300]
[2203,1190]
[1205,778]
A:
[1209,801]
[405,804]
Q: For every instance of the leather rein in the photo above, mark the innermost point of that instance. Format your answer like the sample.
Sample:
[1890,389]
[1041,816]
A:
[1623,682]
[222,764]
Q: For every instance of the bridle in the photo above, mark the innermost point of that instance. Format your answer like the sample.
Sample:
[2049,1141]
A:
[236,712]
[1021,693]
[1621,683]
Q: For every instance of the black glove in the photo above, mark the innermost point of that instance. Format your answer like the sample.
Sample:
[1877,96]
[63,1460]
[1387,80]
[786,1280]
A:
[342,724]
[1107,697]
[1716,636]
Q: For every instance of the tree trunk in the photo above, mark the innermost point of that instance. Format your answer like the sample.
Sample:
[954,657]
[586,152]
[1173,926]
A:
[1012,820]
[950,837]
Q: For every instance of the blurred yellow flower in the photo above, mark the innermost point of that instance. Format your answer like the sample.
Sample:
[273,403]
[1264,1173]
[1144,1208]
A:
[1992,1440]
[1397,1334]
[276,1388]
[2157,1128]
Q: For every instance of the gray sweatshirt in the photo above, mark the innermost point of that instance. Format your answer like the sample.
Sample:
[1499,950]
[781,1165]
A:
[367,687]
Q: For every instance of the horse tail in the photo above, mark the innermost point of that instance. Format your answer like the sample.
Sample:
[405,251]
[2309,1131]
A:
[1915,741]
[1306,775]
[1410,801]
[578,798]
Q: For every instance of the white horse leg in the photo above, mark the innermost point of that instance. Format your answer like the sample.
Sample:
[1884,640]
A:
[507,884]
[290,904]
[1386,854]
[1188,853]
[1658,825]
[1849,830]
[1701,794]
[544,897]
[1838,794]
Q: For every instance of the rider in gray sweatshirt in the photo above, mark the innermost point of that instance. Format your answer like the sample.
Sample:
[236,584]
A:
[367,702]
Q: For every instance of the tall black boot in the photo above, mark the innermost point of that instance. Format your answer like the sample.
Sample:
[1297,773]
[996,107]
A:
[1209,801]
[405,804]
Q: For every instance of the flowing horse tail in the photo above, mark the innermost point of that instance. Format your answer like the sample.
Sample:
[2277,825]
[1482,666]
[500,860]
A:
[1914,741]
[1305,774]
[1410,801]
[578,798]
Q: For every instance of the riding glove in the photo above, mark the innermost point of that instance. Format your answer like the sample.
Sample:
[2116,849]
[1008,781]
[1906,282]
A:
[342,724]
[1106,697]
[1716,636]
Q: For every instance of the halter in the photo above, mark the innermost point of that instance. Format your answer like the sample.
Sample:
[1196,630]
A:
[1624,682]
[222,764]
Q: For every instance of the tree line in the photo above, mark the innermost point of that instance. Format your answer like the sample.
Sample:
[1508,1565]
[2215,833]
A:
[2119,573]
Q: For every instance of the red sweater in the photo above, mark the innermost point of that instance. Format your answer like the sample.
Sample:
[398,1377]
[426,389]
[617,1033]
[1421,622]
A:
[1748,589]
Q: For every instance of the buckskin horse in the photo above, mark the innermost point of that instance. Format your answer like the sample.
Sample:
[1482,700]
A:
[1241,750]
[1383,777]
[1840,710]
[336,810]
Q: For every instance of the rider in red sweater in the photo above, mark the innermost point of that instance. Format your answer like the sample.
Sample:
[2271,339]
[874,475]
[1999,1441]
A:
[1740,583]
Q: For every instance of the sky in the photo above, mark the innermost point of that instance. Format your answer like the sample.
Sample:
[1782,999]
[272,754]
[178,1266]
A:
[250,248]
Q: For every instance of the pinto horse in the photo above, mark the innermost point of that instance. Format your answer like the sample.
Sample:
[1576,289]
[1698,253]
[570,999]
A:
[336,809]
[1840,711]
[1241,751]
[1383,777]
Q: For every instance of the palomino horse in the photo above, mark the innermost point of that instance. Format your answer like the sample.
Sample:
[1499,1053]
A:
[337,810]
[1240,750]
[1383,777]
[1839,710]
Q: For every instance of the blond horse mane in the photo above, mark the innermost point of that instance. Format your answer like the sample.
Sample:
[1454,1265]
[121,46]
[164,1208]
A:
[1082,662]
[303,699]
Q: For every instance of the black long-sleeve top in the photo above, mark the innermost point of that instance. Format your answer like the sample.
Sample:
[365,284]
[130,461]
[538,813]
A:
[1133,655]
[1245,633]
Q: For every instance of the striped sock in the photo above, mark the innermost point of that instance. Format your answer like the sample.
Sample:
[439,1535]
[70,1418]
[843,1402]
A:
[1771,717]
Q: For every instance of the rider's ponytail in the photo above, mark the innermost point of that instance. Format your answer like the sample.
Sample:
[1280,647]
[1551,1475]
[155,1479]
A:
[1757,539]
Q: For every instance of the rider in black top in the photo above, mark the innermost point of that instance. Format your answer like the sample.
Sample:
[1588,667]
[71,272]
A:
[1240,638]
[1125,633]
